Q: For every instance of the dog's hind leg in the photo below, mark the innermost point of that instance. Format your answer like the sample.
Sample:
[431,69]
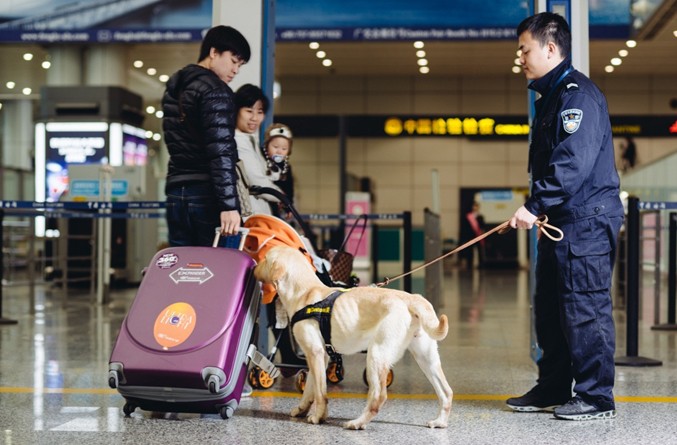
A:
[424,350]
[377,375]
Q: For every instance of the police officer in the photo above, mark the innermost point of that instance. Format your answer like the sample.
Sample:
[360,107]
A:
[574,183]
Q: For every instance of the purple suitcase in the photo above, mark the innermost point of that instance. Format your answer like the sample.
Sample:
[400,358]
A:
[186,341]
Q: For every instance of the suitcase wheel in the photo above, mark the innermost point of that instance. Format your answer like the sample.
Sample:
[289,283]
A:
[389,379]
[226,412]
[259,378]
[213,384]
[128,409]
[301,377]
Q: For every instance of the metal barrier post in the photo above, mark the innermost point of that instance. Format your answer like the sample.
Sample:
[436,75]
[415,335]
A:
[672,276]
[632,280]
[3,320]
[406,263]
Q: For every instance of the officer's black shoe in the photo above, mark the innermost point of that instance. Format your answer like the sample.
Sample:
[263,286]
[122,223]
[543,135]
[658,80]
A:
[579,409]
[535,401]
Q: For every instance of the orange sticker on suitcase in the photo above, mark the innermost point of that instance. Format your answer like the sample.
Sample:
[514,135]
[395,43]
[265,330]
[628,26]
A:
[174,325]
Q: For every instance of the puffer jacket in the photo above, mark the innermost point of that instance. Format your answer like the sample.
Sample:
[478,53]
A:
[199,130]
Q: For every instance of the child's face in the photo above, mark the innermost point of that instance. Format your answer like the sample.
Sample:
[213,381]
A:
[278,146]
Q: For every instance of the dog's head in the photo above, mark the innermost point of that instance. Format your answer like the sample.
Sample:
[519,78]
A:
[281,262]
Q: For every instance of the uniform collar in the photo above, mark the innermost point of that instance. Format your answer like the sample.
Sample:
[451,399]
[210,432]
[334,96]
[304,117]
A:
[545,83]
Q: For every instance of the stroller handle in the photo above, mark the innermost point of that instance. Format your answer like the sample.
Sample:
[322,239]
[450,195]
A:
[284,199]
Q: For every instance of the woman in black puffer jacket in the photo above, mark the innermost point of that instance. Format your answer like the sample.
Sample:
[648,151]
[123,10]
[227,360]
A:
[199,129]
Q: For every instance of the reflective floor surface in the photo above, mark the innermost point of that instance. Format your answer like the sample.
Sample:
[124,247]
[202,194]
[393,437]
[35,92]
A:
[54,367]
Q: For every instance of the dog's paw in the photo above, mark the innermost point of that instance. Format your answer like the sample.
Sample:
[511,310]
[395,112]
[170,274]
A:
[299,412]
[437,423]
[315,419]
[354,425]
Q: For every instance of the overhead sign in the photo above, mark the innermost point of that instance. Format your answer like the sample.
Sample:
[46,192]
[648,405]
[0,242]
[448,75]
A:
[125,21]
[458,125]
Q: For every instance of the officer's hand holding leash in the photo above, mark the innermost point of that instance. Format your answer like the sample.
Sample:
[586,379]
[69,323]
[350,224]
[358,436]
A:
[524,219]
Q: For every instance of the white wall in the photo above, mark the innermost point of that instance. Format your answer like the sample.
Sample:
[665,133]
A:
[401,168]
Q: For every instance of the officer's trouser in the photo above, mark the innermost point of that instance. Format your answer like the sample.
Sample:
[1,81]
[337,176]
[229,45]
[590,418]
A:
[573,310]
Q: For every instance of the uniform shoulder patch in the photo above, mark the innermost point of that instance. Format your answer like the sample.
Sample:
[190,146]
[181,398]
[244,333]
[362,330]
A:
[572,85]
[571,119]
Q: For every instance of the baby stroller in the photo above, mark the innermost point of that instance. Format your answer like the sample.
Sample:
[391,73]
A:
[264,233]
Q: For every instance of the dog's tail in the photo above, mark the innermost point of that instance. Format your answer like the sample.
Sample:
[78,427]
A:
[436,328]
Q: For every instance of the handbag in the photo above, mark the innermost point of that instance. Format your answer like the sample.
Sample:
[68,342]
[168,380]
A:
[340,260]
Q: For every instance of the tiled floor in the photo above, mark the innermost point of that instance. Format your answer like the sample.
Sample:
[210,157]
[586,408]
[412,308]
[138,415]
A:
[54,367]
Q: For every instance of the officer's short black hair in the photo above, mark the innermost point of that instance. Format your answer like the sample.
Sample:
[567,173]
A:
[548,27]
[224,38]
[247,95]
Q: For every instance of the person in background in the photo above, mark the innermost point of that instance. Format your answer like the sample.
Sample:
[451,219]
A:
[629,156]
[252,106]
[199,128]
[472,226]
[575,184]
[277,146]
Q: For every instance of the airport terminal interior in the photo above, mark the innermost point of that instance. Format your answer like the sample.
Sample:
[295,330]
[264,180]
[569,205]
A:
[410,117]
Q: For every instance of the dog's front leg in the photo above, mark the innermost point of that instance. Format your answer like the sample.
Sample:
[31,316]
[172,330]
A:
[318,381]
[309,338]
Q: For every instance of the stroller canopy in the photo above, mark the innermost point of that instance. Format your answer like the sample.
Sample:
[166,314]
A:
[266,232]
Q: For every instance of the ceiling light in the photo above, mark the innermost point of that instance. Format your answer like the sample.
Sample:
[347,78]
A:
[313,45]
[150,109]
[609,69]
[149,134]
[420,53]
[10,85]
[46,64]
[157,136]
[28,57]
[327,62]
[418,44]
[424,70]
[0,105]
[616,61]
[321,54]
[163,78]
[516,69]
[138,64]
[27,91]
[623,53]
[159,114]
[518,53]
[674,33]
[631,43]
[151,71]
[422,62]
[517,62]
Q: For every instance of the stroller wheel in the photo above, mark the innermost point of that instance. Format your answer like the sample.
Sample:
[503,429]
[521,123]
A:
[334,373]
[389,379]
[264,379]
[301,377]
[253,377]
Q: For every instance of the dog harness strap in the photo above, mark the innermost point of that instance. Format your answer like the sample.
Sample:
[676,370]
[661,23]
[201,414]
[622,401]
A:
[321,311]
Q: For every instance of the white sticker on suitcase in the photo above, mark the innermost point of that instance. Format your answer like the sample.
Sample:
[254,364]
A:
[191,274]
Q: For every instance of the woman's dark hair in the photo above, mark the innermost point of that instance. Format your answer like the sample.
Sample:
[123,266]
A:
[224,38]
[548,27]
[247,95]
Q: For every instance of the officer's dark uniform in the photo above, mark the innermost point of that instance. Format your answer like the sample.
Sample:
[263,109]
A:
[575,183]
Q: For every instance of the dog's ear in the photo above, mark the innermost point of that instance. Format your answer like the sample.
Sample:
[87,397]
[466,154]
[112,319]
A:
[276,272]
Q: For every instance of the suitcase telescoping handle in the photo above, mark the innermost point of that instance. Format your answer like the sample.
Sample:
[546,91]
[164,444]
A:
[242,233]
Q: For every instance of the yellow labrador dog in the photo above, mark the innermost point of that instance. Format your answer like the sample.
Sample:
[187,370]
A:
[384,322]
